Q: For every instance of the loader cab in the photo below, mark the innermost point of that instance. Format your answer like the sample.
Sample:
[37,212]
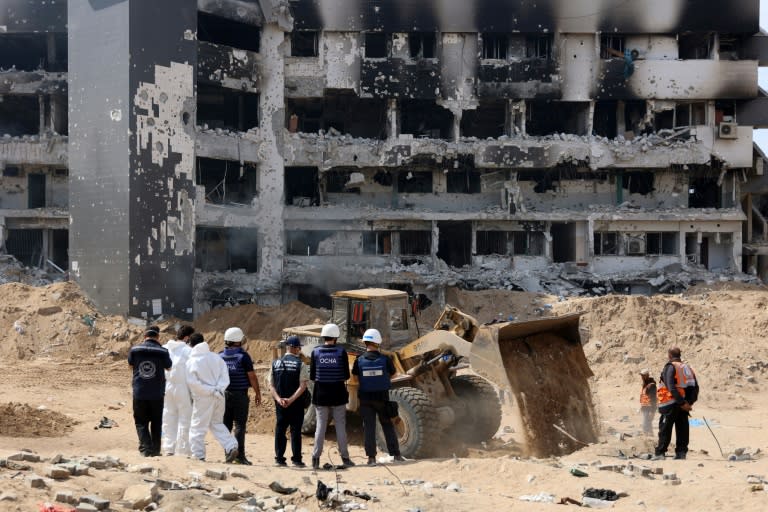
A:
[356,311]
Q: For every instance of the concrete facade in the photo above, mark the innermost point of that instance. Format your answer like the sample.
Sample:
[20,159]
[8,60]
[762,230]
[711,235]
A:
[229,151]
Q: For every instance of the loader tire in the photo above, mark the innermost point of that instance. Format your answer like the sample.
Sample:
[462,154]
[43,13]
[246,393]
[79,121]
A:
[310,421]
[483,417]
[416,425]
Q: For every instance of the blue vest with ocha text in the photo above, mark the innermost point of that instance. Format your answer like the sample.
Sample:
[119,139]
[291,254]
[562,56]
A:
[238,380]
[329,364]
[373,374]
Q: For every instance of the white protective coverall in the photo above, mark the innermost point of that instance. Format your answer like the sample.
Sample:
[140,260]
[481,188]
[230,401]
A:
[177,409]
[208,377]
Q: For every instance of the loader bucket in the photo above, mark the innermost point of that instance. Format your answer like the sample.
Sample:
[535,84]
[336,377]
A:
[542,362]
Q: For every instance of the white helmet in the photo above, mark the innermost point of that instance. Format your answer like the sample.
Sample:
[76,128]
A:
[233,335]
[372,336]
[330,331]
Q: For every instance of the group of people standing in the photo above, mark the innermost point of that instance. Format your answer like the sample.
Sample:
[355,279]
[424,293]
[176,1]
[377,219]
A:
[182,390]
[677,391]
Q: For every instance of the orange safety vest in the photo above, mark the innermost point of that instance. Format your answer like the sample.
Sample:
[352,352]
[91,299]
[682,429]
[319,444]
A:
[684,378]
[645,400]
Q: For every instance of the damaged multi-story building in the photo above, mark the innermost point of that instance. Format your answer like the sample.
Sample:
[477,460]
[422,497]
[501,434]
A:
[202,152]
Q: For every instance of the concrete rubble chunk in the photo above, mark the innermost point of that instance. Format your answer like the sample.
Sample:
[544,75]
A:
[6,496]
[142,468]
[57,458]
[228,493]
[85,507]
[139,496]
[65,497]
[30,457]
[96,501]
[49,310]
[271,503]
[57,472]
[35,482]
[216,474]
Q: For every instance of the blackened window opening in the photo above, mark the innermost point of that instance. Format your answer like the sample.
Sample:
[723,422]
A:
[414,182]
[26,245]
[495,46]
[550,117]
[377,242]
[612,46]
[228,109]
[305,43]
[415,243]
[19,115]
[227,32]
[422,45]
[340,112]
[24,52]
[305,243]
[226,249]
[301,186]
[703,193]
[539,46]
[695,45]
[606,243]
[227,181]
[425,118]
[463,182]
[339,181]
[492,242]
[487,120]
[376,45]
[664,243]
[638,182]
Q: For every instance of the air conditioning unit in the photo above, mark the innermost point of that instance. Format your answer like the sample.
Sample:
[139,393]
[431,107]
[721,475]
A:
[728,131]
[636,246]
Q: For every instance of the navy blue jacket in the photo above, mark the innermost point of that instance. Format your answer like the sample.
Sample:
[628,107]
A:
[149,361]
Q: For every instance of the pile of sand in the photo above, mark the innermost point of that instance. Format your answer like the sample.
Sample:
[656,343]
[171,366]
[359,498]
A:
[21,420]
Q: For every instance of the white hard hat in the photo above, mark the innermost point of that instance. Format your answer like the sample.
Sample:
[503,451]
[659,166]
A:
[372,336]
[330,331]
[233,335]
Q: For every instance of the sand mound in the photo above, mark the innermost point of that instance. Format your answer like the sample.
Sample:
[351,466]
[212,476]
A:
[21,420]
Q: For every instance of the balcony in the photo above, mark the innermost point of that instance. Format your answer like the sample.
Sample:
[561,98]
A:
[393,78]
[31,149]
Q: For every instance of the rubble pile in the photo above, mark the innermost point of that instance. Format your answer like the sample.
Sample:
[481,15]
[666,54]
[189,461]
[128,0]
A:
[13,271]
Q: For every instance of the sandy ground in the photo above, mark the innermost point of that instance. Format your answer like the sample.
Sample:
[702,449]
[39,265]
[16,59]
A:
[60,397]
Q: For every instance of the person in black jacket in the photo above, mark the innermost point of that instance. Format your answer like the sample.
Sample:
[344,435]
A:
[374,371]
[329,369]
[149,361]
[287,381]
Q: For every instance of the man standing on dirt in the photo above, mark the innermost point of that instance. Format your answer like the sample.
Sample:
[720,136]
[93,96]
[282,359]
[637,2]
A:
[208,379]
[678,391]
[287,381]
[329,369]
[374,370]
[149,360]
[647,400]
[241,377]
[178,402]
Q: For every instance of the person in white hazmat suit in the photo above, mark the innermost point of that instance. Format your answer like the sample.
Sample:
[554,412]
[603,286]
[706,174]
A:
[177,408]
[208,377]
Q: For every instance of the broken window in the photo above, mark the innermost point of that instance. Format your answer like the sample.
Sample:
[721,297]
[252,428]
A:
[376,45]
[19,115]
[704,193]
[339,181]
[606,243]
[638,182]
[422,45]
[612,118]
[12,171]
[725,111]
[545,180]
[377,242]
[305,243]
[612,46]
[690,114]
[463,182]
[695,45]
[661,243]
[487,120]
[495,46]
[60,247]
[26,245]
[36,190]
[415,243]
[414,182]
[226,249]
[24,52]
[455,243]
[664,120]
[604,119]
[635,244]
[301,186]
[528,243]
[305,43]
[425,118]
[227,181]
[492,242]
[338,113]
[227,32]
[730,46]
[539,46]
[228,109]
[550,117]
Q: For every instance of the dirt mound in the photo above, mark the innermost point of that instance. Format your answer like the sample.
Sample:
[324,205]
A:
[21,420]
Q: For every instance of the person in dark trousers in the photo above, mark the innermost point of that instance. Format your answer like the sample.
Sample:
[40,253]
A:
[241,377]
[374,371]
[677,392]
[647,400]
[329,369]
[149,361]
[287,381]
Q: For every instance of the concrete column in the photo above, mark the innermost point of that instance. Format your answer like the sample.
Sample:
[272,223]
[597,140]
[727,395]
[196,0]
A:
[41,105]
[393,119]
[435,243]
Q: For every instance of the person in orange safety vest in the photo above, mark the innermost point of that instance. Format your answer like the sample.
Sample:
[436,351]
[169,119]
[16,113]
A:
[677,392]
[647,400]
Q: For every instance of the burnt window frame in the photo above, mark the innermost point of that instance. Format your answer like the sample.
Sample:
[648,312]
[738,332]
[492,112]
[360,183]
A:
[376,243]
[420,247]
[528,243]
[495,44]
[420,182]
[419,53]
[539,46]
[666,245]
[606,243]
[309,48]
[494,239]
[617,42]
[250,256]
[235,35]
[386,40]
